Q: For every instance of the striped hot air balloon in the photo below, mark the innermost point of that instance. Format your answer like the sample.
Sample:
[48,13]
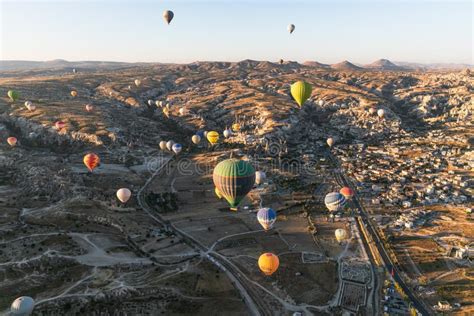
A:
[334,201]
[266,217]
[13,95]
[301,91]
[91,161]
[268,263]
[234,178]
[347,192]
[213,137]
[218,193]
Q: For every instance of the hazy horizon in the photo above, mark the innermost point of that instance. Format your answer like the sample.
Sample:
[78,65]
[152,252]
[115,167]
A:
[329,32]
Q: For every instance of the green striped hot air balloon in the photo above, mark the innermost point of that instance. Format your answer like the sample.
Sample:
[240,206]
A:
[13,95]
[234,178]
[301,91]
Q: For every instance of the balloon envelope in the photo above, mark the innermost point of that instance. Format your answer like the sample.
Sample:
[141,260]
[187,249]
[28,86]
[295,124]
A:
[291,28]
[227,133]
[124,195]
[218,193]
[23,306]
[168,16]
[301,91]
[169,145]
[196,139]
[91,161]
[137,82]
[334,201]
[330,141]
[266,217]
[268,263]
[381,112]
[341,234]
[11,141]
[59,124]
[260,177]
[200,133]
[372,111]
[347,192]
[163,145]
[234,178]
[73,93]
[236,127]
[177,148]
[13,95]
[213,137]
[89,107]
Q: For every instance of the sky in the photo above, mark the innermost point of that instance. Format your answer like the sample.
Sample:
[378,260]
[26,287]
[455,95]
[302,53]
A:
[328,31]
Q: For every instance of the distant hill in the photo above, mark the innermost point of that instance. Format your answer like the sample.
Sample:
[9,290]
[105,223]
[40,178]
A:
[8,65]
[345,65]
[434,66]
[384,64]
[315,64]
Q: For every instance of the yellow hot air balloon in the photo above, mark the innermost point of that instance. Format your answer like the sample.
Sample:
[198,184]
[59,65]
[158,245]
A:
[341,234]
[213,137]
[268,263]
[74,93]
[301,91]
[236,127]
[166,112]
[218,193]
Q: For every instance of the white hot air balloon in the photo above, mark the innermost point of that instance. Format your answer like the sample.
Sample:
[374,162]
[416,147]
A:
[381,113]
[177,148]
[157,103]
[22,306]
[138,82]
[196,139]
[260,176]
[205,133]
[182,111]
[341,234]
[124,195]
[150,102]
[89,107]
[291,28]
[169,145]
[330,141]
[168,106]
[163,145]
[372,111]
[29,106]
[320,102]
[227,133]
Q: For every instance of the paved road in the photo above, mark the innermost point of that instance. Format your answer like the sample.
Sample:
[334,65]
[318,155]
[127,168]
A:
[417,303]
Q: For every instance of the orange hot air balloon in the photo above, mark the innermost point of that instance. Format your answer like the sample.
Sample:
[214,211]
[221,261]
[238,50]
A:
[268,263]
[73,93]
[11,141]
[347,192]
[91,161]
[59,125]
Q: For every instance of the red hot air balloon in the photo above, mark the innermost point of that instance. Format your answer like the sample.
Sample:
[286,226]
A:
[91,161]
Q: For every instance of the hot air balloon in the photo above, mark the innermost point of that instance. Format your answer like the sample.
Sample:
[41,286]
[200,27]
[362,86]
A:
[74,93]
[227,133]
[334,201]
[260,177]
[236,127]
[22,306]
[91,161]
[123,195]
[268,263]
[168,106]
[59,125]
[12,141]
[372,111]
[196,139]
[138,82]
[212,137]
[157,103]
[330,141]
[29,105]
[291,28]
[234,178]
[166,112]
[89,107]
[74,70]
[381,113]
[218,193]
[347,192]
[169,145]
[150,102]
[13,95]
[177,148]
[321,102]
[183,111]
[301,91]
[281,61]
[163,145]
[205,133]
[266,217]
[201,134]
[168,16]
[341,235]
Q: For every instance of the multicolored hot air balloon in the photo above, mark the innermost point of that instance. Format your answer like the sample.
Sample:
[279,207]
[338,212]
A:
[163,145]
[260,177]
[12,141]
[266,217]
[196,139]
[234,178]
[91,161]
[13,95]
[301,91]
[334,201]
[268,263]
[236,127]
[168,16]
[213,137]
[169,145]
[177,148]
[74,93]
[89,107]
[347,192]
[218,193]
[22,306]
[291,28]
[330,141]
[227,133]
[341,235]
[123,195]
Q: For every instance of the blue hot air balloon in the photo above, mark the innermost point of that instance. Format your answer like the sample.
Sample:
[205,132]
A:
[200,133]
[334,201]
[266,217]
